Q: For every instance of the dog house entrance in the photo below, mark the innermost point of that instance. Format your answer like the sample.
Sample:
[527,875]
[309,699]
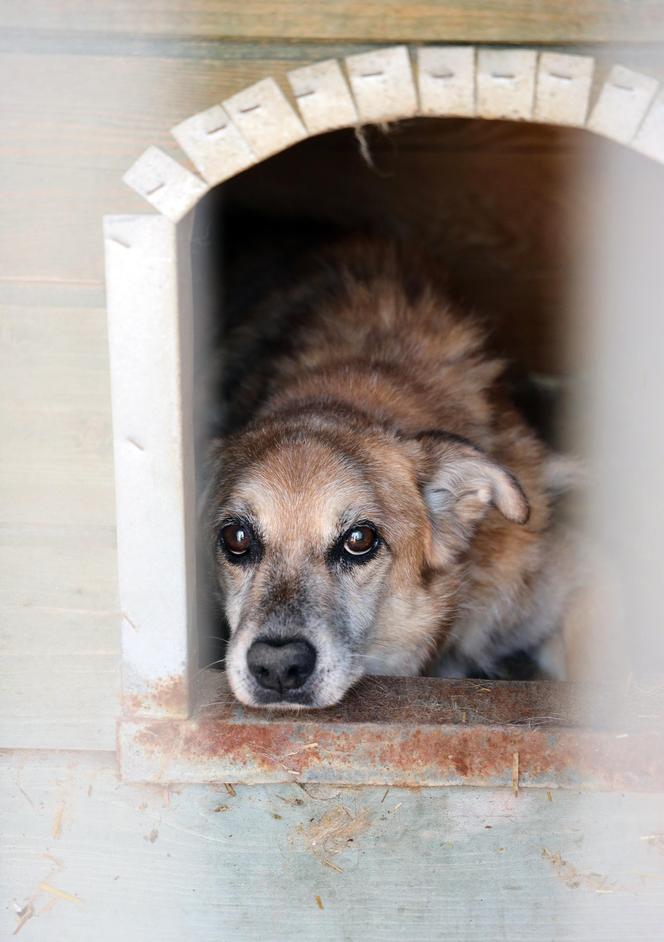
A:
[484,196]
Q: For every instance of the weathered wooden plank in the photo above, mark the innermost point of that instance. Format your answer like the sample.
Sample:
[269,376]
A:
[151,345]
[287,863]
[59,626]
[452,20]
[88,118]
[60,679]
[58,567]
[55,426]
[414,732]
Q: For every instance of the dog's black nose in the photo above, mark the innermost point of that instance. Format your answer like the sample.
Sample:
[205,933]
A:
[281,665]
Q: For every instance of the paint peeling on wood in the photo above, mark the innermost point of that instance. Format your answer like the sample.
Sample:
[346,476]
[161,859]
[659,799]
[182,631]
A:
[412,732]
[164,696]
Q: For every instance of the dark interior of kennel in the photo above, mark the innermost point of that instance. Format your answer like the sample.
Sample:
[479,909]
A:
[506,209]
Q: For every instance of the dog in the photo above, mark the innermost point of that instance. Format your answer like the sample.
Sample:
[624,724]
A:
[378,505]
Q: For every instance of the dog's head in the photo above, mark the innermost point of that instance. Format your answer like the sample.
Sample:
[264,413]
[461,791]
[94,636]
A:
[339,551]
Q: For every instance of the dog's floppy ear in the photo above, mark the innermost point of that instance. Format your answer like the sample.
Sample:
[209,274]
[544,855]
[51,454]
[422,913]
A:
[459,483]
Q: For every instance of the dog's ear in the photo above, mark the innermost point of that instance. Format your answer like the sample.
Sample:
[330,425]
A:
[460,483]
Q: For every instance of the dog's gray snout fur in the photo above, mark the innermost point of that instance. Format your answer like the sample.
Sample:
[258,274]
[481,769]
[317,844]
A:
[281,665]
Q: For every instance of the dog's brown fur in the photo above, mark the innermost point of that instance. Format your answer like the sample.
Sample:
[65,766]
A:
[374,399]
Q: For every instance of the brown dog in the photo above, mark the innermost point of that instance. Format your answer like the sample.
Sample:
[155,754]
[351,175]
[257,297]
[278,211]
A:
[378,507]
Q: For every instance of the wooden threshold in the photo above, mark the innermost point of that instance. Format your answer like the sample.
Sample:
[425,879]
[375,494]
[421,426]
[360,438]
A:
[412,732]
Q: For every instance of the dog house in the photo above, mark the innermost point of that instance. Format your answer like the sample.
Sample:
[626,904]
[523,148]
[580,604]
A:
[150,295]
[157,806]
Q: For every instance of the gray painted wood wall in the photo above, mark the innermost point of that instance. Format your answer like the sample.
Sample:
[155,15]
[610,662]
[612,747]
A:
[95,858]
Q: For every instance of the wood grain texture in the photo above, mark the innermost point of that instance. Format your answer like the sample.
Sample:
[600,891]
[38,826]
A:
[509,21]
[59,634]
[60,679]
[86,119]
[385,865]
[55,422]
[59,638]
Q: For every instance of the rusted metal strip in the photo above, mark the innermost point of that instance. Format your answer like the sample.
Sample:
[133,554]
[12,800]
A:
[411,732]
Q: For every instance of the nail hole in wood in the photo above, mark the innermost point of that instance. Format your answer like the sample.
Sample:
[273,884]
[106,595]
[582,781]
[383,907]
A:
[154,189]
[250,108]
[125,245]
[442,75]
[306,94]
[623,88]
[133,442]
[503,76]
[220,127]
[370,74]
[560,76]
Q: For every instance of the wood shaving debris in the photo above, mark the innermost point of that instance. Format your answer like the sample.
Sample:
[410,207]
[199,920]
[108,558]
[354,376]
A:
[229,788]
[333,866]
[319,903]
[61,894]
[515,773]
[293,802]
[363,145]
[549,796]
[574,878]
[220,808]
[57,823]
[319,792]
[387,791]
[24,914]
[56,861]
[295,752]
[655,840]
[333,832]
[27,797]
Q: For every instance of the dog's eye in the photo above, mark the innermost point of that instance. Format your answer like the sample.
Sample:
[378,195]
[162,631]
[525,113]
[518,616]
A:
[236,538]
[360,540]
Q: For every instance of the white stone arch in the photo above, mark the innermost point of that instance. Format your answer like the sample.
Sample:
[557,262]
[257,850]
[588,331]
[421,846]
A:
[149,286]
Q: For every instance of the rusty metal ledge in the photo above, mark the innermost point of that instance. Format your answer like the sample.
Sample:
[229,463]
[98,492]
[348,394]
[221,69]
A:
[411,732]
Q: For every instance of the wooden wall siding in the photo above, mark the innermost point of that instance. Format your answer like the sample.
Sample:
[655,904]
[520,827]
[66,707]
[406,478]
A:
[87,857]
[510,21]
[58,585]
